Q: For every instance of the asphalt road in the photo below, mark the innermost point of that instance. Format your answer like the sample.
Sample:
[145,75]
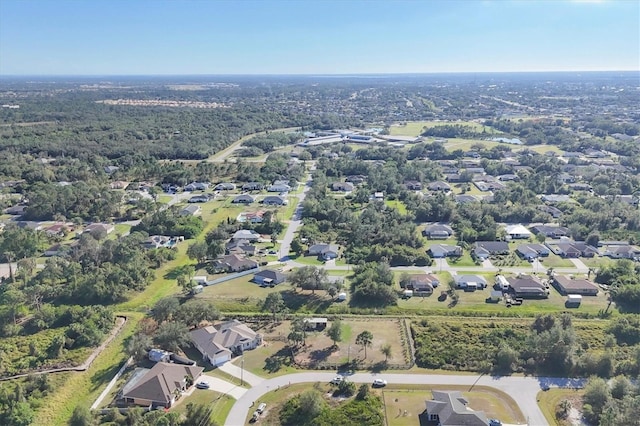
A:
[522,389]
[294,224]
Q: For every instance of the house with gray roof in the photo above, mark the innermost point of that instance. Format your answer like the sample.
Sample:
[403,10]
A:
[243,199]
[325,251]
[550,231]
[159,386]
[234,263]
[269,277]
[470,282]
[246,234]
[190,210]
[437,231]
[483,249]
[449,408]
[275,200]
[439,251]
[532,251]
[342,186]
[439,186]
[526,286]
[218,344]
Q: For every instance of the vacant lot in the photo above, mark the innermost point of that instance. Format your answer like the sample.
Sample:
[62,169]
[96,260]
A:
[219,404]
[549,400]
[319,347]
[404,403]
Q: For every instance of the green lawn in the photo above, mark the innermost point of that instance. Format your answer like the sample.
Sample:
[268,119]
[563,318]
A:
[219,404]
[398,205]
[164,199]
[466,144]
[415,128]
[254,360]
[464,260]
[555,261]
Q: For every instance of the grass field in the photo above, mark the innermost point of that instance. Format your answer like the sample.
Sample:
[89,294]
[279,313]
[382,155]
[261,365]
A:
[405,403]
[398,205]
[219,404]
[415,128]
[555,261]
[254,361]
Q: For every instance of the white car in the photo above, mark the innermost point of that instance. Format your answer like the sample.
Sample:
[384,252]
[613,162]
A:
[337,380]
[378,383]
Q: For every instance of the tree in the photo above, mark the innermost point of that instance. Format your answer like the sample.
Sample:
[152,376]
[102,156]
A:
[165,308]
[506,358]
[215,249]
[311,404]
[364,339]
[386,351]
[596,396]
[198,251]
[335,332]
[138,345]
[274,239]
[172,335]
[81,417]
[274,304]
[296,246]
[198,415]
[310,278]
[195,311]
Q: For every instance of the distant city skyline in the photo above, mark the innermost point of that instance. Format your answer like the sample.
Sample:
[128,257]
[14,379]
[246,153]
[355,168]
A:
[47,37]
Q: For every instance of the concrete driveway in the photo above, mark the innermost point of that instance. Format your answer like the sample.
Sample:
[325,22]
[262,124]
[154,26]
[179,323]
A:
[222,386]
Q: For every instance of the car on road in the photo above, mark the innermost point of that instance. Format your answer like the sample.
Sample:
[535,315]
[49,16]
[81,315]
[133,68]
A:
[202,385]
[337,380]
[378,383]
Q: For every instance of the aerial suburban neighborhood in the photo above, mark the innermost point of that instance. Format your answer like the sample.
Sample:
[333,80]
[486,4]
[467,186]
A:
[399,250]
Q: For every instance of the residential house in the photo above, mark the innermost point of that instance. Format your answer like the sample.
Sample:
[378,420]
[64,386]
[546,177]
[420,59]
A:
[422,284]
[251,217]
[580,187]
[550,231]
[378,196]
[489,186]
[413,185]
[554,212]
[218,344]
[532,251]
[439,186]
[279,188]
[324,251]
[157,241]
[449,408]
[483,249]
[202,198]
[439,251]
[240,247]
[252,186]
[16,210]
[470,282]
[572,249]
[564,178]
[246,234]
[99,229]
[517,232]
[225,186]
[243,199]
[55,250]
[191,210]
[234,263]
[197,186]
[526,286]
[159,386]
[509,178]
[356,179]
[269,277]
[555,198]
[275,200]
[111,169]
[452,177]
[58,229]
[566,285]
[465,199]
[621,252]
[342,186]
[437,231]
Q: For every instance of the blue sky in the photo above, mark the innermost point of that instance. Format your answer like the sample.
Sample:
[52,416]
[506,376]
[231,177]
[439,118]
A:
[96,37]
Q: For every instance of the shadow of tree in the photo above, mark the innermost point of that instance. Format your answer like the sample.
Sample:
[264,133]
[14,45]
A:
[174,273]
[279,359]
[320,354]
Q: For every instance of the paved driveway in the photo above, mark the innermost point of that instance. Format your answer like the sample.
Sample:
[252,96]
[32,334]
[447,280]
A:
[221,386]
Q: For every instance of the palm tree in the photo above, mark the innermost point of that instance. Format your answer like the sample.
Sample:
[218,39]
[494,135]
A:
[364,339]
[386,351]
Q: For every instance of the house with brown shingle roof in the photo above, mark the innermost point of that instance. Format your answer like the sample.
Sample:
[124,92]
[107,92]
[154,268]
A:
[159,386]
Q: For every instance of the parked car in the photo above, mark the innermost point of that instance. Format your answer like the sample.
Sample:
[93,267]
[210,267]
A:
[202,385]
[255,416]
[378,383]
[261,408]
[337,380]
[495,422]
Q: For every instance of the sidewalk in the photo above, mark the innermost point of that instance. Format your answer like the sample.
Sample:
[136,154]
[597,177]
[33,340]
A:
[236,371]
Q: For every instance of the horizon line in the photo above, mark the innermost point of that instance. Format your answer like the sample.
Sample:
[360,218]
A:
[321,74]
